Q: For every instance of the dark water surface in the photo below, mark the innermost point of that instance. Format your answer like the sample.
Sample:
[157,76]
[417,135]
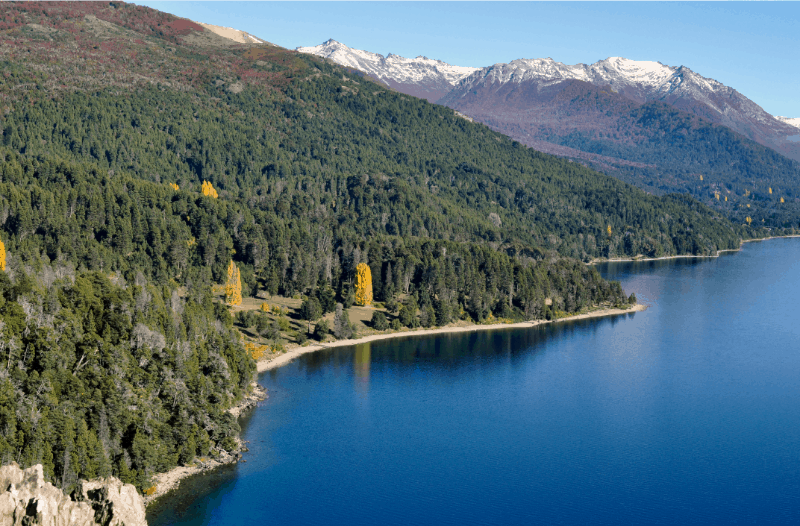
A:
[687,413]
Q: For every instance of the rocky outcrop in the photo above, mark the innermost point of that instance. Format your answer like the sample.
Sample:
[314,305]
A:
[29,500]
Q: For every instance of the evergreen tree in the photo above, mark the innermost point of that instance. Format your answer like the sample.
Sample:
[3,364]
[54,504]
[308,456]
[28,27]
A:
[342,327]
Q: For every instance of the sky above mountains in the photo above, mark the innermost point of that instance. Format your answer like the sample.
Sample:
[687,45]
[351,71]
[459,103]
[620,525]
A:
[752,47]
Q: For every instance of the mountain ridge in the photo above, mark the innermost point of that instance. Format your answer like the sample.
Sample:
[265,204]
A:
[640,81]
[421,76]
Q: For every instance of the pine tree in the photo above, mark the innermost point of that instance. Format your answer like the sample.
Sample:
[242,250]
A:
[341,323]
[233,286]
[363,284]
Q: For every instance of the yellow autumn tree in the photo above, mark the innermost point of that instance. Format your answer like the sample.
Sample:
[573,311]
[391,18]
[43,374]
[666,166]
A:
[233,287]
[2,256]
[782,200]
[363,284]
[174,186]
[208,190]
[770,189]
[748,219]
[608,230]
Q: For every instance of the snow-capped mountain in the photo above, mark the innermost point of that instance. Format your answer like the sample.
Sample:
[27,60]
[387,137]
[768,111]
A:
[790,121]
[420,77]
[638,81]
[523,91]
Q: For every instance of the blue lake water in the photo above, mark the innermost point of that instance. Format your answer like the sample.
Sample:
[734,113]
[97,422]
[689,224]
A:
[687,413]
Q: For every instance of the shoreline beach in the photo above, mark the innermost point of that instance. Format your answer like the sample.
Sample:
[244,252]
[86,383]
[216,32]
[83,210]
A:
[291,354]
[620,260]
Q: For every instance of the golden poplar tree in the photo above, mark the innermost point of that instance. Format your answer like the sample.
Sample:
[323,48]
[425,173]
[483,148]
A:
[608,230]
[233,287]
[363,284]
[174,186]
[781,202]
[2,256]
[208,190]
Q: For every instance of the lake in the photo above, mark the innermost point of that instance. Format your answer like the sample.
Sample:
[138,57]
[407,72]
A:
[686,413]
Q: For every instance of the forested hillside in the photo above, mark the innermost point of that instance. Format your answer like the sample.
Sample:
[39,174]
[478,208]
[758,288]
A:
[117,357]
[679,152]
[651,145]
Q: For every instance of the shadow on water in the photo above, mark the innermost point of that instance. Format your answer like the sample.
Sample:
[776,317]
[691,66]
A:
[449,351]
[197,496]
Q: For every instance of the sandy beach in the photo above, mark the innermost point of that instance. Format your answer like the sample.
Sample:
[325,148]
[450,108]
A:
[291,354]
[615,260]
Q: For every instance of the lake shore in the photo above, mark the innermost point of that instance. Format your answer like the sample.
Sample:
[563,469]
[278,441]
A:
[291,354]
[166,482]
[619,260]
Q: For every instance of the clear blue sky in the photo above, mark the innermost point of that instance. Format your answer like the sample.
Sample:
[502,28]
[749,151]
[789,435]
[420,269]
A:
[752,47]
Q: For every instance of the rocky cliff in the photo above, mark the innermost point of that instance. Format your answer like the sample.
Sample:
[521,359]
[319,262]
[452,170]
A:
[28,499]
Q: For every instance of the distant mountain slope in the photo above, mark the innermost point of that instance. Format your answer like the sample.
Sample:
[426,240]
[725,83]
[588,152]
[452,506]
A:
[421,77]
[651,145]
[642,81]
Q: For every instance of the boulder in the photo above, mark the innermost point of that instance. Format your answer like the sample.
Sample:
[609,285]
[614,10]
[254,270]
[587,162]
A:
[28,499]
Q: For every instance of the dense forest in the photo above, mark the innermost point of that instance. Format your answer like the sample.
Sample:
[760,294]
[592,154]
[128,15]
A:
[138,160]
[679,152]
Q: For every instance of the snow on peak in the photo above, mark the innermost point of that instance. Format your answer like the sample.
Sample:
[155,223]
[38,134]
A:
[391,67]
[613,70]
[640,71]
[790,121]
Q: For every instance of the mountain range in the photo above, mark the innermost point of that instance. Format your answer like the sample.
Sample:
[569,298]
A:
[639,81]
[421,77]
[662,128]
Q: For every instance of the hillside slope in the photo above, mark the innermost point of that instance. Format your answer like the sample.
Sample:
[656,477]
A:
[651,145]
[119,358]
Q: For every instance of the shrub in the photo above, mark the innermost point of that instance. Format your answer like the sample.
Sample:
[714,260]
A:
[321,330]
[228,443]
[379,321]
